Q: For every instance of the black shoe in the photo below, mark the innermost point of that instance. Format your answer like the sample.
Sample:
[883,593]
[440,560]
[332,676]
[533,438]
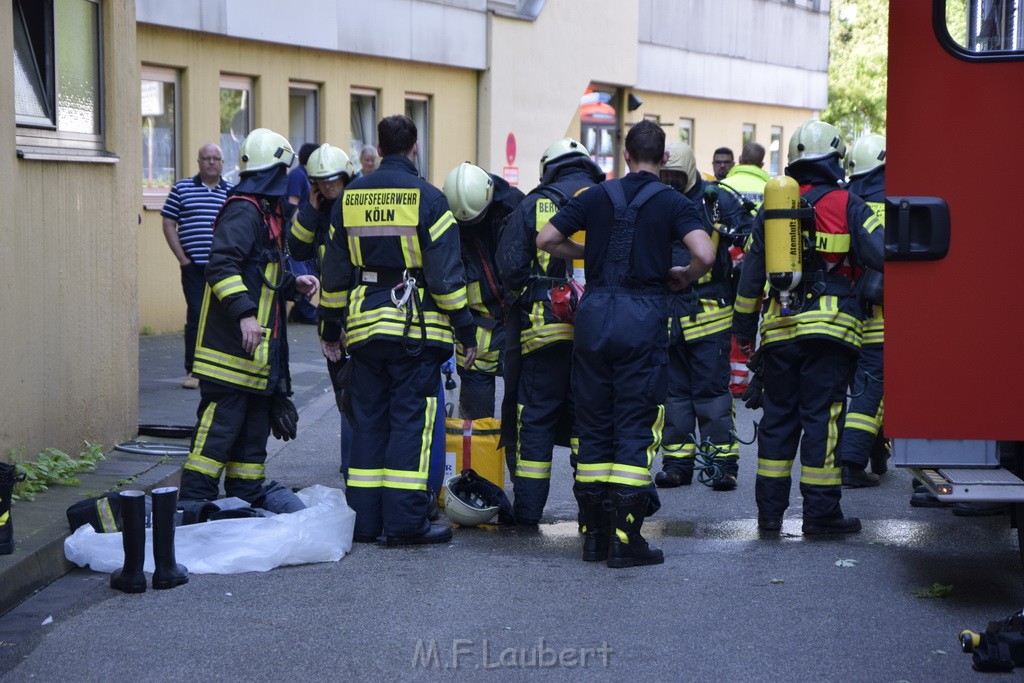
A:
[769,523]
[670,479]
[433,509]
[925,499]
[726,483]
[980,509]
[359,538]
[834,525]
[436,534]
[859,477]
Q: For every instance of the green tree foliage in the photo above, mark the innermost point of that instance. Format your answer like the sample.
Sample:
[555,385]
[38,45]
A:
[858,59]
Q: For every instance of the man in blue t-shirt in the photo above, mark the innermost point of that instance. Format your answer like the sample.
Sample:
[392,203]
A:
[620,352]
[188,214]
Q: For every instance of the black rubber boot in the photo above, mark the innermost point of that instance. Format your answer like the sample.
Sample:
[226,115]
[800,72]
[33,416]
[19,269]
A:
[435,534]
[131,578]
[674,476]
[855,477]
[831,525]
[168,573]
[8,478]
[596,521]
[627,548]
[730,468]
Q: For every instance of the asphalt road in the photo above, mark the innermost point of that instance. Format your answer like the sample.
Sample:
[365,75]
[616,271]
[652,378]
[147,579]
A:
[513,604]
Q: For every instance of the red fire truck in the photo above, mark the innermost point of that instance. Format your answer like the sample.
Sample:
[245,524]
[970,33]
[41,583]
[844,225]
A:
[955,96]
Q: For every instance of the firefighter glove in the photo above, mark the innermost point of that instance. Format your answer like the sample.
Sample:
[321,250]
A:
[283,417]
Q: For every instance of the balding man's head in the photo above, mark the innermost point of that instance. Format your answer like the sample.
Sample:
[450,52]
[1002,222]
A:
[752,155]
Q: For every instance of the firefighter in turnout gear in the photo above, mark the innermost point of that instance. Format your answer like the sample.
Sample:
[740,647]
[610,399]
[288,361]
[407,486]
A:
[241,356]
[810,326]
[620,359]
[537,410]
[481,202]
[699,369]
[862,440]
[327,168]
[394,289]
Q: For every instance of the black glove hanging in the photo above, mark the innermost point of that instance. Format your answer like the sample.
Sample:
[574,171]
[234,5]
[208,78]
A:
[284,419]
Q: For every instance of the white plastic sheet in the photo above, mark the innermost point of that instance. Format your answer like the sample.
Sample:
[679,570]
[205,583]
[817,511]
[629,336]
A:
[320,533]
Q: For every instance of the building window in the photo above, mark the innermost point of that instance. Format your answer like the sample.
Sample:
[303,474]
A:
[236,120]
[57,77]
[303,114]
[775,151]
[686,131]
[364,122]
[417,108]
[161,157]
[749,133]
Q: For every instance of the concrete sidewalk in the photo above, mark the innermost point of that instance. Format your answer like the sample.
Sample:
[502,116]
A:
[40,526]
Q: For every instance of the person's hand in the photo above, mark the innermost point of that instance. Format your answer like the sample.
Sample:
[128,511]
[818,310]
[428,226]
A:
[307,285]
[470,355]
[315,196]
[677,278]
[333,351]
[252,334]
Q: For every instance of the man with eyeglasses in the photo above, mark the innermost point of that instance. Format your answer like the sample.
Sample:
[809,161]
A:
[188,215]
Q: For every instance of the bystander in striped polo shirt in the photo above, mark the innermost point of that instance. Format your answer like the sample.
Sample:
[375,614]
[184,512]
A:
[194,206]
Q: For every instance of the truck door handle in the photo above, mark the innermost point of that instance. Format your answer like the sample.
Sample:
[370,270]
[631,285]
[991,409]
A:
[916,229]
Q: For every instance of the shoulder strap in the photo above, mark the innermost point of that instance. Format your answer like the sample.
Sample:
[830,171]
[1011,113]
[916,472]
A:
[553,193]
[620,245]
[815,194]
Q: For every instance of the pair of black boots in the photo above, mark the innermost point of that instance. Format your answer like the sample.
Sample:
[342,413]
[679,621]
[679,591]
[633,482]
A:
[167,573]
[611,529]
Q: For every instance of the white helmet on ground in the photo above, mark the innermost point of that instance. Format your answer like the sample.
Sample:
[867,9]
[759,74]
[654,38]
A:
[466,509]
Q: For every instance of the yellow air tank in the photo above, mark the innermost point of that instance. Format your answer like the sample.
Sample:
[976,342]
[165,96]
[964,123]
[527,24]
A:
[783,252]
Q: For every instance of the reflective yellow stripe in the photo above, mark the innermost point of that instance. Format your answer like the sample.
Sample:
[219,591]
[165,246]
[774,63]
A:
[873,223]
[656,430]
[836,243]
[533,469]
[108,523]
[452,301]
[866,423]
[245,470]
[774,468]
[821,476]
[367,479]
[629,475]
[204,465]
[594,472]
[403,479]
[230,285]
[426,436]
[335,300]
[833,433]
[707,322]
[203,428]
[678,451]
[746,304]
[4,517]
[201,366]
[301,233]
[441,226]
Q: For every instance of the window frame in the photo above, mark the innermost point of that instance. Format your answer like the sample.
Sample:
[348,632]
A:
[686,124]
[775,150]
[247,84]
[413,100]
[46,141]
[153,197]
[311,116]
[374,96]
